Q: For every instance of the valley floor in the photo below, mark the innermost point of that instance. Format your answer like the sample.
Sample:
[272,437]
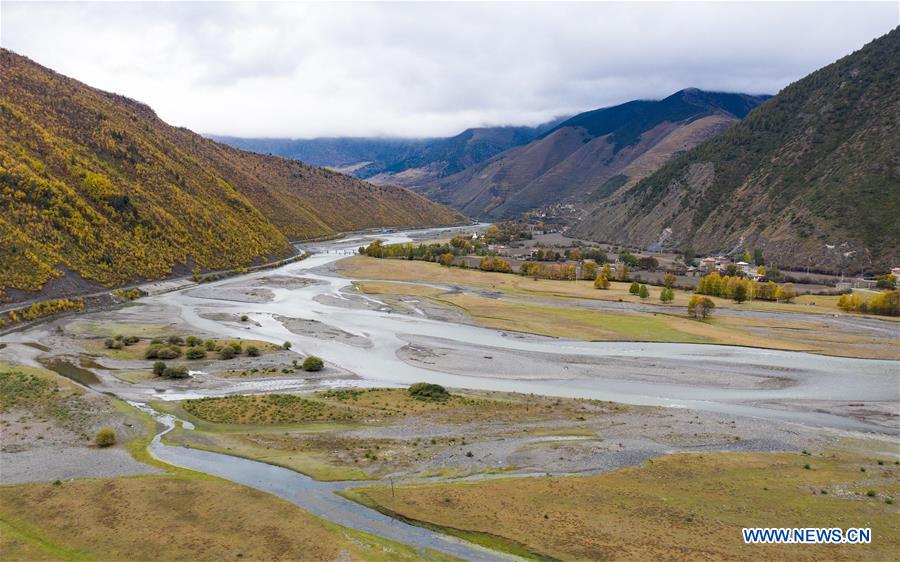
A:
[528,456]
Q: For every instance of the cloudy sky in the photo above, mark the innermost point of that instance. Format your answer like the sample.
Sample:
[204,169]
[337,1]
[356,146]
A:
[347,69]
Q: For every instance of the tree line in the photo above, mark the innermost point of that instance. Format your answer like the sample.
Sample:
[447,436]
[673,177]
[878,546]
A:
[742,288]
[884,304]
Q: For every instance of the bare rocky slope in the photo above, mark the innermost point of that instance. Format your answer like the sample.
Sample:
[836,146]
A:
[812,177]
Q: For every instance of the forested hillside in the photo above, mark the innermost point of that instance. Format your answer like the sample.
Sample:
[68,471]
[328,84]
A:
[95,187]
[812,176]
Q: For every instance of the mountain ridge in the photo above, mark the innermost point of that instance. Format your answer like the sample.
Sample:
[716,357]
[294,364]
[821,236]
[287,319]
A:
[579,155]
[810,176]
[399,161]
[94,184]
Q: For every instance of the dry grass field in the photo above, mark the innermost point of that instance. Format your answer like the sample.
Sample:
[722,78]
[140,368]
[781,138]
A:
[679,507]
[671,325]
[362,267]
[317,445]
[372,405]
[172,518]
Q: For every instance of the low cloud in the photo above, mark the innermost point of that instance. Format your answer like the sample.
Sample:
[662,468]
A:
[341,69]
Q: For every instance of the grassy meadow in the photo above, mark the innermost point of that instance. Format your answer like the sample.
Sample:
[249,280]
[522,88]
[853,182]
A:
[550,308]
[307,433]
[173,518]
[678,507]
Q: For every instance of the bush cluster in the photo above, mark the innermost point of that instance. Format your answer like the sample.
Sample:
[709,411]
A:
[160,369]
[428,391]
[119,341]
[105,437]
[159,351]
[313,363]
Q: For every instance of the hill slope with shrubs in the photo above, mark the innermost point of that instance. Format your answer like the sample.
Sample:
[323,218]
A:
[95,187]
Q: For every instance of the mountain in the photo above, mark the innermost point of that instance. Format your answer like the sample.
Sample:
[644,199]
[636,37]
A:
[406,162]
[364,157]
[812,176]
[590,154]
[96,190]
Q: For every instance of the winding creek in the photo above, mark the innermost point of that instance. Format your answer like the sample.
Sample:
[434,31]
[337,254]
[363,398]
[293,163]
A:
[319,498]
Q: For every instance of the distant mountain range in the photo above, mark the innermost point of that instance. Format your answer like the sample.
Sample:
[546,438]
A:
[405,162]
[590,154]
[812,176]
[96,190]
[499,172]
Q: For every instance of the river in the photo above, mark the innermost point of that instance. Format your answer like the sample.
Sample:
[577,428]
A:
[697,376]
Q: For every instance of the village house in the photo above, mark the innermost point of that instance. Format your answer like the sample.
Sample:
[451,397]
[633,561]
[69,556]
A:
[860,283]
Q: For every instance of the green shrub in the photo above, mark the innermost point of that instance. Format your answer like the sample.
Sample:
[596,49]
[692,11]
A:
[428,391]
[175,340]
[313,363]
[105,437]
[252,351]
[193,341]
[118,337]
[286,345]
[635,288]
[244,318]
[210,345]
[175,373]
[162,352]
[156,341]
[236,346]
[130,340]
[227,352]
[159,368]
[195,353]
[168,352]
